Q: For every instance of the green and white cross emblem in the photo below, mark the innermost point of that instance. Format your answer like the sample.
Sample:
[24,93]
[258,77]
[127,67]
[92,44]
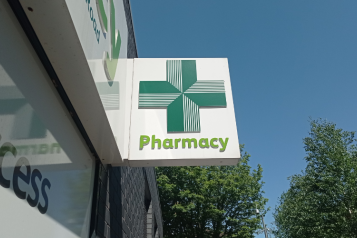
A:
[182,95]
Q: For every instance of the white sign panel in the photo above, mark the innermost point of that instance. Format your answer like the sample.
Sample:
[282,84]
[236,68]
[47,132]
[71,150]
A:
[182,113]
[86,42]
[102,30]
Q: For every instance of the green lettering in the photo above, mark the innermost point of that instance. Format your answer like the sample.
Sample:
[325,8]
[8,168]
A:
[213,145]
[6,147]
[22,149]
[43,149]
[54,146]
[206,144]
[189,142]
[164,144]
[153,141]
[34,149]
[176,143]
[224,144]
[144,140]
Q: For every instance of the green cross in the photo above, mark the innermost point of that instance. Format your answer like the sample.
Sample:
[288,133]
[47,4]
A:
[182,95]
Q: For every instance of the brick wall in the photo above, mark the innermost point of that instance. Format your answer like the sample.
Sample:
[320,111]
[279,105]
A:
[121,211]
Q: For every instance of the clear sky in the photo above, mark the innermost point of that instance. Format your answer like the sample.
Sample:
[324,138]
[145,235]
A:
[289,60]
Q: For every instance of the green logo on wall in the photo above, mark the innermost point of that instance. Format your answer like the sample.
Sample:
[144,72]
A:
[110,60]
[182,94]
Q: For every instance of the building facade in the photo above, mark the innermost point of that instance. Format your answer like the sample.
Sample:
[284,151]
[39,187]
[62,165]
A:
[52,180]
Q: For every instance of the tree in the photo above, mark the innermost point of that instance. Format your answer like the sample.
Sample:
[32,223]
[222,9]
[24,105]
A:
[322,201]
[211,201]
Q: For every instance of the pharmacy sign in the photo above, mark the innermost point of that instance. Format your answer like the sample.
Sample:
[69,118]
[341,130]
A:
[182,94]
[182,113]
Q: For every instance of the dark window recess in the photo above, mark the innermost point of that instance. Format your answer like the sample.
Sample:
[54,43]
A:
[147,199]
[155,227]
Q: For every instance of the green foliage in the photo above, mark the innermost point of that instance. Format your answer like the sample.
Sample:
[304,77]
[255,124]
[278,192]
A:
[213,201]
[322,201]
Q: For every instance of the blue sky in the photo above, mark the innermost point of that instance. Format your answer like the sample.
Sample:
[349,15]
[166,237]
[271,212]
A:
[289,60]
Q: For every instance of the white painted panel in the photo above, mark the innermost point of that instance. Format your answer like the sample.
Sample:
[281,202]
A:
[80,50]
